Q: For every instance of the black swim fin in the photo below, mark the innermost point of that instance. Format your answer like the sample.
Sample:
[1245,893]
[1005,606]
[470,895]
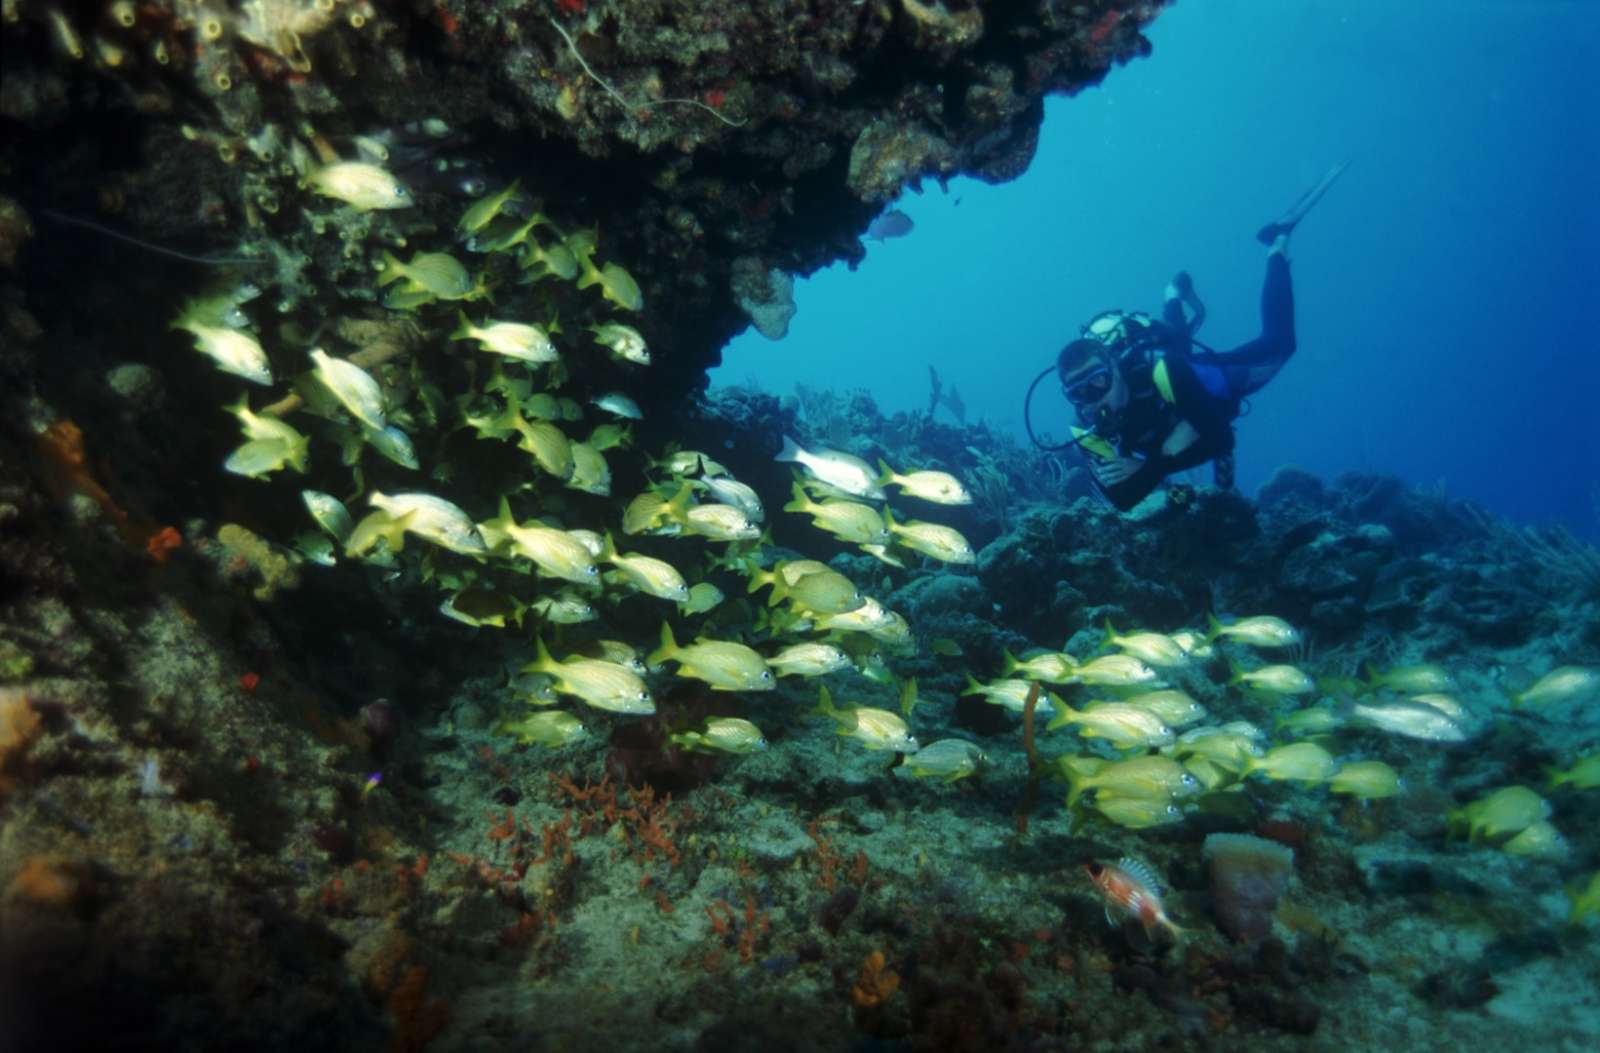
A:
[1285,223]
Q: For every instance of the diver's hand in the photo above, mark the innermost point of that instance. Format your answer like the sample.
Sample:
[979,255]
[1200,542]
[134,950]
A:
[1111,471]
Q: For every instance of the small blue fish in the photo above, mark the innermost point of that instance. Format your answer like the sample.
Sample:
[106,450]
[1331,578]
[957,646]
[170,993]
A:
[892,224]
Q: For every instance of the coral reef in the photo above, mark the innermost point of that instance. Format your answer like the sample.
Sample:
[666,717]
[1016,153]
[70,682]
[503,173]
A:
[181,773]
[695,134]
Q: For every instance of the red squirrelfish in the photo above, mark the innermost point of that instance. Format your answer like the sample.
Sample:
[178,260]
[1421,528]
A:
[1131,889]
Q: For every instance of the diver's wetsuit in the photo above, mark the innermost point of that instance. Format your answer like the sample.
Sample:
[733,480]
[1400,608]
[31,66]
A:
[1205,388]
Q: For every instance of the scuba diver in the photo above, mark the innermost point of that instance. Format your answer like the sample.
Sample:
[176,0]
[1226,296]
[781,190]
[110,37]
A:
[1151,400]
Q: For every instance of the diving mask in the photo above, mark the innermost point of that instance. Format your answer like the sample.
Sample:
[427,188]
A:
[1089,388]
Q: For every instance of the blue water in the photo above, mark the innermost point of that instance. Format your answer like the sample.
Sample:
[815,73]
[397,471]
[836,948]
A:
[1444,287]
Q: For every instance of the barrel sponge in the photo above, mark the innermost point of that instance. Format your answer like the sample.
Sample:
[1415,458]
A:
[1248,874]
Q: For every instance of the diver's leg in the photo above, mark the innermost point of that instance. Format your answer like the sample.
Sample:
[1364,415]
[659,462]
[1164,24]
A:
[1249,366]
[1277,301]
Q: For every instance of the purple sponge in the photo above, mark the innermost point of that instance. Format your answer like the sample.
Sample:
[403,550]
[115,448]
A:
[1248,874]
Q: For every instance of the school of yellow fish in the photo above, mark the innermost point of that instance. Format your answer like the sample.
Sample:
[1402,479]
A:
[1144,754]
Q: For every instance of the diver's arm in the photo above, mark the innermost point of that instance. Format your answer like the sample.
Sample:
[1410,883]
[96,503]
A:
[1178,296]
[1130,490]
[1182,437]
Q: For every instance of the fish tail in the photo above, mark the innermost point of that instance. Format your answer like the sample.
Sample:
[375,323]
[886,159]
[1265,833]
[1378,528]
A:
[543,661]
[1065,714]
[791,450]
[801,502]
[908,696]
[886,475]
[668,648]
[1214,628]
[824,706]
[1235,674]
[677,508]
[393,270]
[608,549]
[1580,907]
[464,330]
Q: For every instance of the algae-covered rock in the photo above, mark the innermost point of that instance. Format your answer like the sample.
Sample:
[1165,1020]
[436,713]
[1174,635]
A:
[15,662]
[245,553]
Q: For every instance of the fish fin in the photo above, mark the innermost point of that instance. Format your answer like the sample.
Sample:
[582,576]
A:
[668,648]
[888,474]
[1235,673]
[393,270]
[802,501]
[824,706]
[1077,785]
[1010,662]
[908,696]
[1214,628]
[758,577]
[1111,636]
[972,687]
[791,450]
[1581,907]
[608,548]
[677,508]
[1141,872]
[464,330]
[542,659]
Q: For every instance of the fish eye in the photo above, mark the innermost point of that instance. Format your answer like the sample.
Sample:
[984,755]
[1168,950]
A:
[400,191]
[1094,869]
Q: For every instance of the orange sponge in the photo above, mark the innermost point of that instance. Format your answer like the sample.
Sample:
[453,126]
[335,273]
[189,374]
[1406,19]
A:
[19,726]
